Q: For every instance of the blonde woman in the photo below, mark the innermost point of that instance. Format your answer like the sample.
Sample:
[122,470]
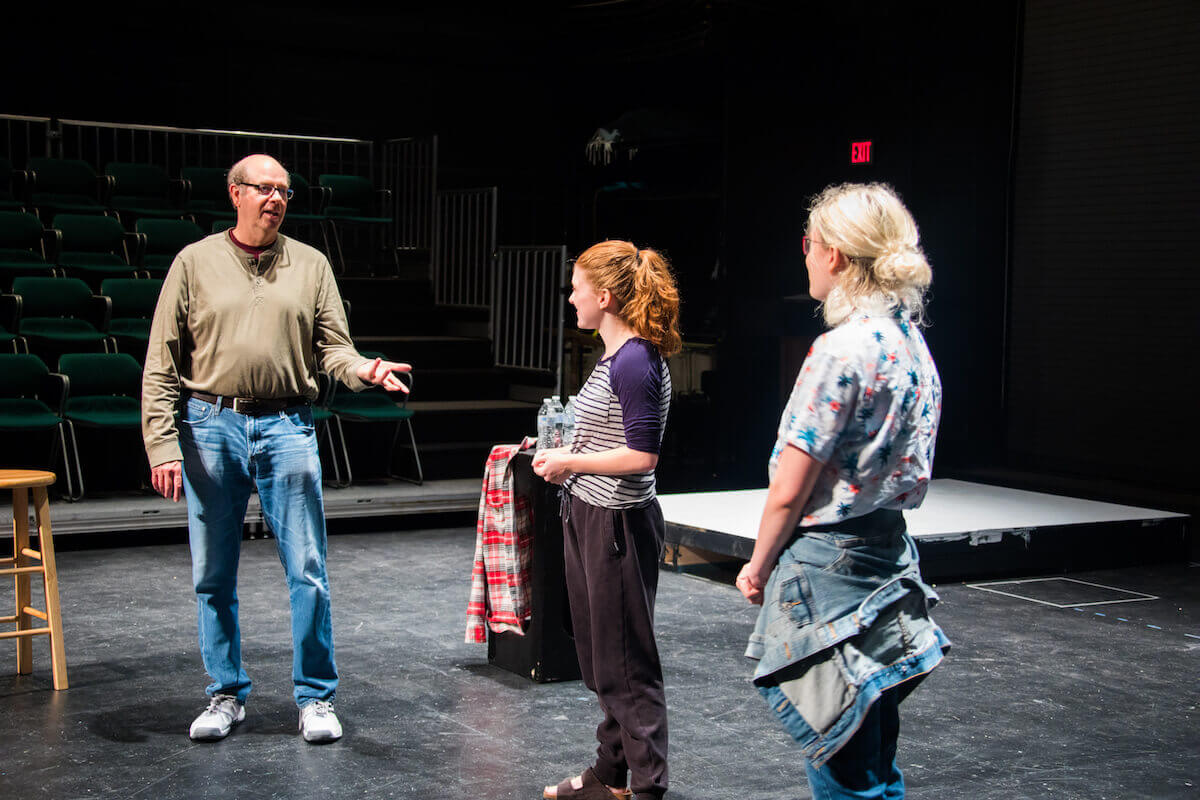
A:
[612,524]
[844,633]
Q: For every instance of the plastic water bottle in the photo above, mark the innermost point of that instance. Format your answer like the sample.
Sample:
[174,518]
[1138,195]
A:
[545,425]
[569,422]
[557,421]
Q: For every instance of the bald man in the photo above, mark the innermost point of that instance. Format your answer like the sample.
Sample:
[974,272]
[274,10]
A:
[244,320]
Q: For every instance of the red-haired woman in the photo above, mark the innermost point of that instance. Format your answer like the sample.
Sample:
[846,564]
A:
[612,524]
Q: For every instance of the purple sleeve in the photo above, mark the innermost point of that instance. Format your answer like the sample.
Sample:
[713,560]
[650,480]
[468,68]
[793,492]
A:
[636,379]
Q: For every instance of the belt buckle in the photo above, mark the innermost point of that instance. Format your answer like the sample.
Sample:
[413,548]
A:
[243,405]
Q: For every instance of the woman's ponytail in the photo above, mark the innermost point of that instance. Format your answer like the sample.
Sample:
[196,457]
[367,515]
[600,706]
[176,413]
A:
[642,283]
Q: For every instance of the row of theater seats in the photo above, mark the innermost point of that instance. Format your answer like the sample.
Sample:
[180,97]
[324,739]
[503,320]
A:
[102,392]
[54,316]
[91,247]
[134,192]
[95,390]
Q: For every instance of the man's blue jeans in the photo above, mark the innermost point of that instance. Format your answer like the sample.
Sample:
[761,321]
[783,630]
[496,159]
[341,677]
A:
[865,767]
[225,455]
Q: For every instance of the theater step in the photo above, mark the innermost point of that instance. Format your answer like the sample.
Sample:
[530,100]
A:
[473,420]
[440,461]
[371,292]
[431,352]
[455,384]
[454,437]
[449,460]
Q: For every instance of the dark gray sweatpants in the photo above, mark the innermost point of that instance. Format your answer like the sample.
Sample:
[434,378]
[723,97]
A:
[612,559]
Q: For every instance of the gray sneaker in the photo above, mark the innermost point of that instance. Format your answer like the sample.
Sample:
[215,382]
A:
[223,712]
[318,723]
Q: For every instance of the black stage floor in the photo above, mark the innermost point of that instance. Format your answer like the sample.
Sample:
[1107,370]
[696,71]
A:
[1064,688]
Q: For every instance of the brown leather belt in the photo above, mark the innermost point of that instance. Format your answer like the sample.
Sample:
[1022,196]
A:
[252,406]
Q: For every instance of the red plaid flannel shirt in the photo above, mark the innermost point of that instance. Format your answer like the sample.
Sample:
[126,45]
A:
[503,553]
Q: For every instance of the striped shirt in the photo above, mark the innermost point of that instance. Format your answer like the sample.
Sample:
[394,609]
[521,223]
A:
[623,403]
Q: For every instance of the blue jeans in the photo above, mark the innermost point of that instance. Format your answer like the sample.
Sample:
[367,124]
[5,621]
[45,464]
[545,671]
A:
[226,454]
[865,767]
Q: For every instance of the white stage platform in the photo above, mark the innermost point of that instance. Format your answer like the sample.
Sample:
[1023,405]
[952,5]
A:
[953,511]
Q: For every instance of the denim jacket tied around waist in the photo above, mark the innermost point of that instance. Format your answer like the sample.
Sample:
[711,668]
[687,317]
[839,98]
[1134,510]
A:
[844,618]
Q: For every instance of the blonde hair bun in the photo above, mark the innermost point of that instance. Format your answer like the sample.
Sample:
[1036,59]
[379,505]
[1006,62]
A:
[886,267]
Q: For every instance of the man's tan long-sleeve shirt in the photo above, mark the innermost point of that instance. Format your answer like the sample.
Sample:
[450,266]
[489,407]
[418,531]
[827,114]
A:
[230,324]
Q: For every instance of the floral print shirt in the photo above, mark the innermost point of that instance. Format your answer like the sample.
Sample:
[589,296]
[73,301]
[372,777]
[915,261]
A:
[866,404]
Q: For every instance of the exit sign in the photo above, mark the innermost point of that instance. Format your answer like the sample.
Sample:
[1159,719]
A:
[860,152]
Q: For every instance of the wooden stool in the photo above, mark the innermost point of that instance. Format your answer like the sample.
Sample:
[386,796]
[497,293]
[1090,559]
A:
[21,480]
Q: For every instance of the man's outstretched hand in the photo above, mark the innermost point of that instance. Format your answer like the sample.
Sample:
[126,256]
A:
[379,372]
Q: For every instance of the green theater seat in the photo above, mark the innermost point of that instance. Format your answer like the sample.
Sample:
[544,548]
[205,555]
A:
[104,391]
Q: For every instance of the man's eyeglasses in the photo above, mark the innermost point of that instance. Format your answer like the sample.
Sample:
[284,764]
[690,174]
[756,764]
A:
[807,242]
[266,190]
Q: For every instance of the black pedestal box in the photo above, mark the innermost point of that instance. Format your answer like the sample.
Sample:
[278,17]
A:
[546,652]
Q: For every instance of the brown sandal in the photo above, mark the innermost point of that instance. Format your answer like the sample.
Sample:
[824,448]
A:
[585,787]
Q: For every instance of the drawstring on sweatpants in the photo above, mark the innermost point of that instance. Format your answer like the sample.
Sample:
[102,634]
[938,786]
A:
[564,505]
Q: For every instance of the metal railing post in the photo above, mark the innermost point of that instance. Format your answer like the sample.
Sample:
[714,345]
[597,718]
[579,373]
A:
[528,310]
